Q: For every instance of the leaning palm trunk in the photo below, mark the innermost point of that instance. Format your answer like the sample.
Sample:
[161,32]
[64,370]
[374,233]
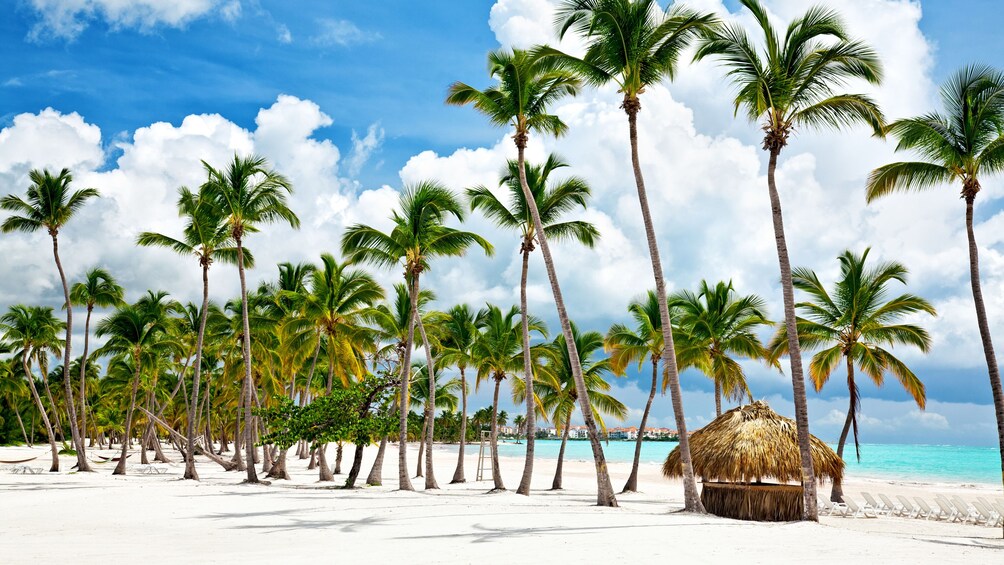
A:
[692,501]
[430,409]
[190,472]
[83,380]
[794,351]
[375,478]
[21,423]
[496,472]
[78,443]
[249,447]
[837,492]
[421,448]
[120,468]
[632,483]
[981,318]
[604,491]
[45,418]
[404,483]
[531,416]
[556,483]
[458,474]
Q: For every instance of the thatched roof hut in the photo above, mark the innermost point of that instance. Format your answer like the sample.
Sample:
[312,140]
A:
[741,448]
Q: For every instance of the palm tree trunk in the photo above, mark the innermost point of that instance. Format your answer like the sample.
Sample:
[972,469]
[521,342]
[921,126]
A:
[430,409]
[837,492]
[632,483]
[496,472]
[718,398]
[604,491]
[44,372]
[324,471]
[71,409]
[249,447]
[54,468]
[421,447]
[531,416]
[375,478]
[458,474]
[809,511]
[279,469]
[83,373]
[556,483]
[120,468]
[190,472]
[981,318]
[357,463]
[20,423]
[692,501]
[404,482]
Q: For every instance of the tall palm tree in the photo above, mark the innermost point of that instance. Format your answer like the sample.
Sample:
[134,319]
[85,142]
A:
[553,202]
[207,239]
[333,310]
[962,145]
[420,234]
[135,333]
[853,323]
[34,332]
[793,82]
[98,289]
[627,346]
[50,204]
[497,353]
[249,194]
[459,333]
[716,325]
[526,86]
[560,393]
[634,44]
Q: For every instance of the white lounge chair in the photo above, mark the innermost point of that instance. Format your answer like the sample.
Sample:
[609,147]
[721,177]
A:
[966,511]
[947,511]
[925,509]
[891,507]
[999,507]
[870,504]
[908,509]
[988,516]
[858,511]
[833,508]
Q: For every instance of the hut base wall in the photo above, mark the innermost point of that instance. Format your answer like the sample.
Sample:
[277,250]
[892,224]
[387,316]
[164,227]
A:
[759,502]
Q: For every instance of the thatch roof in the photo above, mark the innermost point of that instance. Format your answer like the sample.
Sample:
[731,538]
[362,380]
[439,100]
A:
[752,443]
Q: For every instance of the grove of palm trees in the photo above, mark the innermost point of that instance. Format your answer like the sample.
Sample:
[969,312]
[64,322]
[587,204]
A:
[299,397]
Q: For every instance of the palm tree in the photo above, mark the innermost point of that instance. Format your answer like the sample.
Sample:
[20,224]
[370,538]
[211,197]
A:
[854,322]
[459,333]
[98,289]
[497,353]
[552,203]
[526,86]
[627,346]
[332,309]
[208,239]
[34,331]
[135,333]
[792,84]
[248,194]
[716,324]
[634,44]
[420,234]
[50,204]
[960,145]
[560,392]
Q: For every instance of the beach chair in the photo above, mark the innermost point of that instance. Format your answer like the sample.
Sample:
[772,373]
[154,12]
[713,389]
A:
[988,516]
[908,509]
[999,508]
[892,507]
[962,511]
[927,511]
[856,511]
[947,511]
[871,504]
[833,508]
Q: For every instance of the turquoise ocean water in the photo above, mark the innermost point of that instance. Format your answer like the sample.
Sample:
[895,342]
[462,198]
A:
[921,463]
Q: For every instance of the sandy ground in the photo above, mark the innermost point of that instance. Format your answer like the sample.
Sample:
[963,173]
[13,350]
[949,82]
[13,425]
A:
[91,518]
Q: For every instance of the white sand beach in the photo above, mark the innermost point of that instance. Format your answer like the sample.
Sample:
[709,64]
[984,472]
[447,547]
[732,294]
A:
[93,518]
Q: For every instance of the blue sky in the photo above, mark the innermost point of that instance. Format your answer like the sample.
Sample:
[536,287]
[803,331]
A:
[389,63]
